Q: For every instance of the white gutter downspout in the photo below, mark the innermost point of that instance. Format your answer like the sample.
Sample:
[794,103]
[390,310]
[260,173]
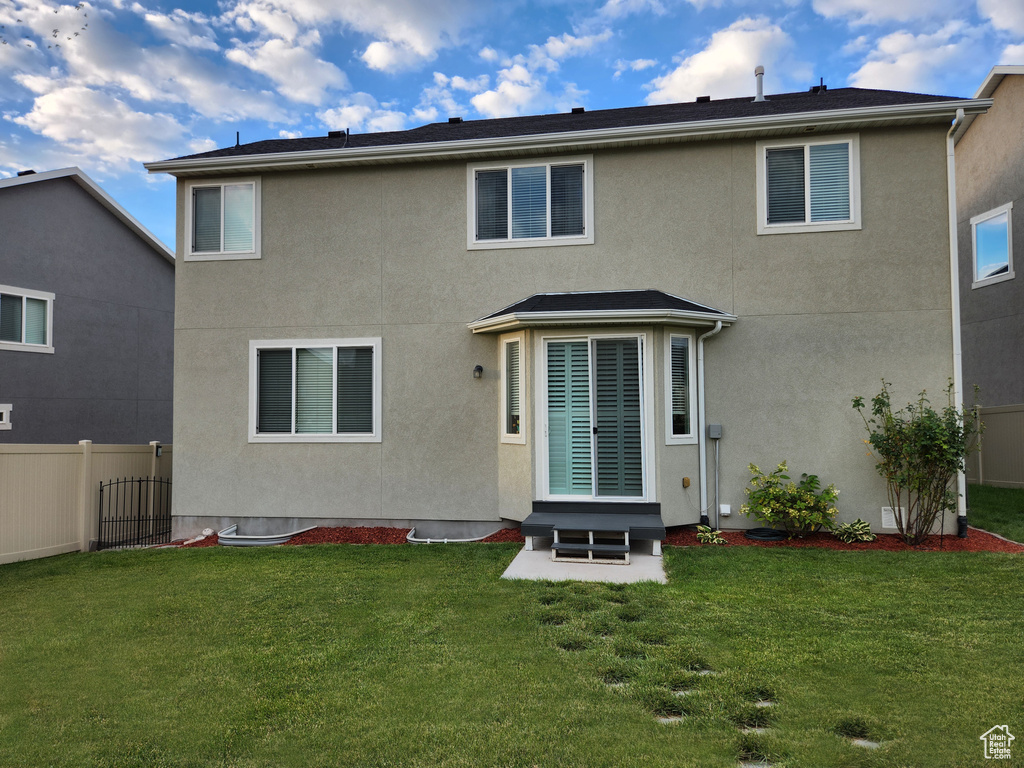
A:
[954,287]
[702,416]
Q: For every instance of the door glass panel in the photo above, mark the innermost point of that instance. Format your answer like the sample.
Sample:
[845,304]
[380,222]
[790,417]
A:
[617,416]
[569,446]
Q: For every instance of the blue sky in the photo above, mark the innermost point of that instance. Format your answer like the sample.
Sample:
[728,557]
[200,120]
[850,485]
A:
[110,84]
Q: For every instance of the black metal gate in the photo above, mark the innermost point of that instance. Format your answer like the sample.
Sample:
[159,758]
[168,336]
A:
[134,512]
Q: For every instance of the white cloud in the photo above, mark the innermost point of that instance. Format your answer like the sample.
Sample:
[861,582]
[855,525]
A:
[297,72]
[360,111]
[876,11]
[474,85]
[201,145]
[191,30]
[903,61]
[857,45]
[289,134]
[617,9]
[517,91]
[1012,54]
[1007,15]
[489,54]
[637,65]
[555,49]
[725,68]
[98,125]
[392,57]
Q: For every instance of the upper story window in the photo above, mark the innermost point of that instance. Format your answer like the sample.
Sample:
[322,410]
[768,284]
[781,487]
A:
[808,186]
[680,424]
[26,321]
[223,220]
[315,390]
[992,236]
[531,203]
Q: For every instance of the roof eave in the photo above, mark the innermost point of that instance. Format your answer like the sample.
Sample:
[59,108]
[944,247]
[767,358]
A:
[984,93]
[516,320]
[835,118]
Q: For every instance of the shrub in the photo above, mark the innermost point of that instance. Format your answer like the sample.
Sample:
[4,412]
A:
[707,536]
[920,451]
[858,530]
[799,507]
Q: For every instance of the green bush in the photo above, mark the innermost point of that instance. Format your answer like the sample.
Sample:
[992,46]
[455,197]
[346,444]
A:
[799,507]
[858,530]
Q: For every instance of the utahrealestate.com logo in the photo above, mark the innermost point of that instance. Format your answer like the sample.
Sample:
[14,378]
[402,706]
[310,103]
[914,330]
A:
[997,742]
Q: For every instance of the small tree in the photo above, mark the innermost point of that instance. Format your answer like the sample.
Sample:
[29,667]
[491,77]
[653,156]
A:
[920,451]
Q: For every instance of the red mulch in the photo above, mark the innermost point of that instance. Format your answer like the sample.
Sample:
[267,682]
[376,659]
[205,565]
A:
[977,541]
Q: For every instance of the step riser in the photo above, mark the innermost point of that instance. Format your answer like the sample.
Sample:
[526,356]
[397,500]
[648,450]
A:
[607,547]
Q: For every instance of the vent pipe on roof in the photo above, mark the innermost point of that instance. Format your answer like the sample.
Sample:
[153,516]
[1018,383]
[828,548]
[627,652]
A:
[29,172]
[238,138]
[759,75]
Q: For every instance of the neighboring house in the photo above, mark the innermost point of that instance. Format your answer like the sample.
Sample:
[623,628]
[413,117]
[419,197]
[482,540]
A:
[86,316]
[469,322]
[990,217]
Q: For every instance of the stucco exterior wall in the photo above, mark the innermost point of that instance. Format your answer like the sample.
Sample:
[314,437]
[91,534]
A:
[109,378]
[990,173]
[381,251]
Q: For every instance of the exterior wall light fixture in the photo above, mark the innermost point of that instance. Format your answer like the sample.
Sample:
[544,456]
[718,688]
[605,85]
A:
[478,372]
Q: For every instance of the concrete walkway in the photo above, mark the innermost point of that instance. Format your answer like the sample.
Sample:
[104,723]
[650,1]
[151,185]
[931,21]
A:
[536,565]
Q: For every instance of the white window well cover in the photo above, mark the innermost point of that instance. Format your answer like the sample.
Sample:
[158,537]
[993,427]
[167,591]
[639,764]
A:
[530,203]
[808,186]
[992,235]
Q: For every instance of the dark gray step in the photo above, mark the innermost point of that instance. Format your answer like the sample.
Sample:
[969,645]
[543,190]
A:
[574,546]
[639,526]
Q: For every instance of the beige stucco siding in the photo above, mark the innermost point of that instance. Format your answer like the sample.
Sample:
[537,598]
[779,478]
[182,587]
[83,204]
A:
[381,252]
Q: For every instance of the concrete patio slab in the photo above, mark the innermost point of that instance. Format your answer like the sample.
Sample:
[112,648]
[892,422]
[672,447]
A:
[537,565]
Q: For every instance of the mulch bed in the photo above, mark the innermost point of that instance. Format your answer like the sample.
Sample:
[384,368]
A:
[680,536]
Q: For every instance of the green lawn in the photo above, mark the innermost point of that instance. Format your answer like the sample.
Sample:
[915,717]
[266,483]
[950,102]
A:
[422,656]
[999,510]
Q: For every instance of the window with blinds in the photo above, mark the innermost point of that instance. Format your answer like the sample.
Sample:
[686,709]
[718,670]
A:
[25,319]
[680,397]
[511,415]
[316,389]
[530,204]
[223,220]
[809,186]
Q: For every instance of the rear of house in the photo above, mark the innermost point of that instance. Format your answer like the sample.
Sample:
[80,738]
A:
[457,326]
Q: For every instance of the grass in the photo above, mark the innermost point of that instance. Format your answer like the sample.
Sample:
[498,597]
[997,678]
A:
[999,510]
[422,656]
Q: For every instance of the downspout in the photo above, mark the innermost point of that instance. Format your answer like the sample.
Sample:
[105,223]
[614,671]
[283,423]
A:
[954,287]
[702,416]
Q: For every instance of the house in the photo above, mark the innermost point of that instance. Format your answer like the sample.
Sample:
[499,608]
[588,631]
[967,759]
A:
[86,316]
[464,324]
[990,219]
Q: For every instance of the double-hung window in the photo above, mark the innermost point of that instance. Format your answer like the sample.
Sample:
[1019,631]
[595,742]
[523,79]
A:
[223,220]
[512,391]
[530,203]
[808,186]
[680,412]
[315,390]
[992,237]
[26,319]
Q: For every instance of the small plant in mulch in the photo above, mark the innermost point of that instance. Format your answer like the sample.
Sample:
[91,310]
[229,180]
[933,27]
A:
[857,531]
[853,727]
[705,535]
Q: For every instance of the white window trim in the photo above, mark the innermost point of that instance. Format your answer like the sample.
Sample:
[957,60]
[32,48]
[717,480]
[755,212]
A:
[5,415]
[691,395]
[25,293]
[507,437]
[646,404]
[587,238]
[255,346]
[189,235]
[854,222]
[975,221]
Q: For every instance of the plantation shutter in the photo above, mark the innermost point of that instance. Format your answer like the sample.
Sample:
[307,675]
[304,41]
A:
[830,182]
[512,388]
[314,371]
[238,217]
[569,433]
[10,318]
[492,205]
[785,169]
[566,200]
[355,390]
[274,396]
[680,386]
[617,395]
[35,321]
[529,202]
[206,219]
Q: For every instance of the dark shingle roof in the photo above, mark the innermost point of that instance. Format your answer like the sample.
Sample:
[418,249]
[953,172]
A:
[603,301]
[506,127]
